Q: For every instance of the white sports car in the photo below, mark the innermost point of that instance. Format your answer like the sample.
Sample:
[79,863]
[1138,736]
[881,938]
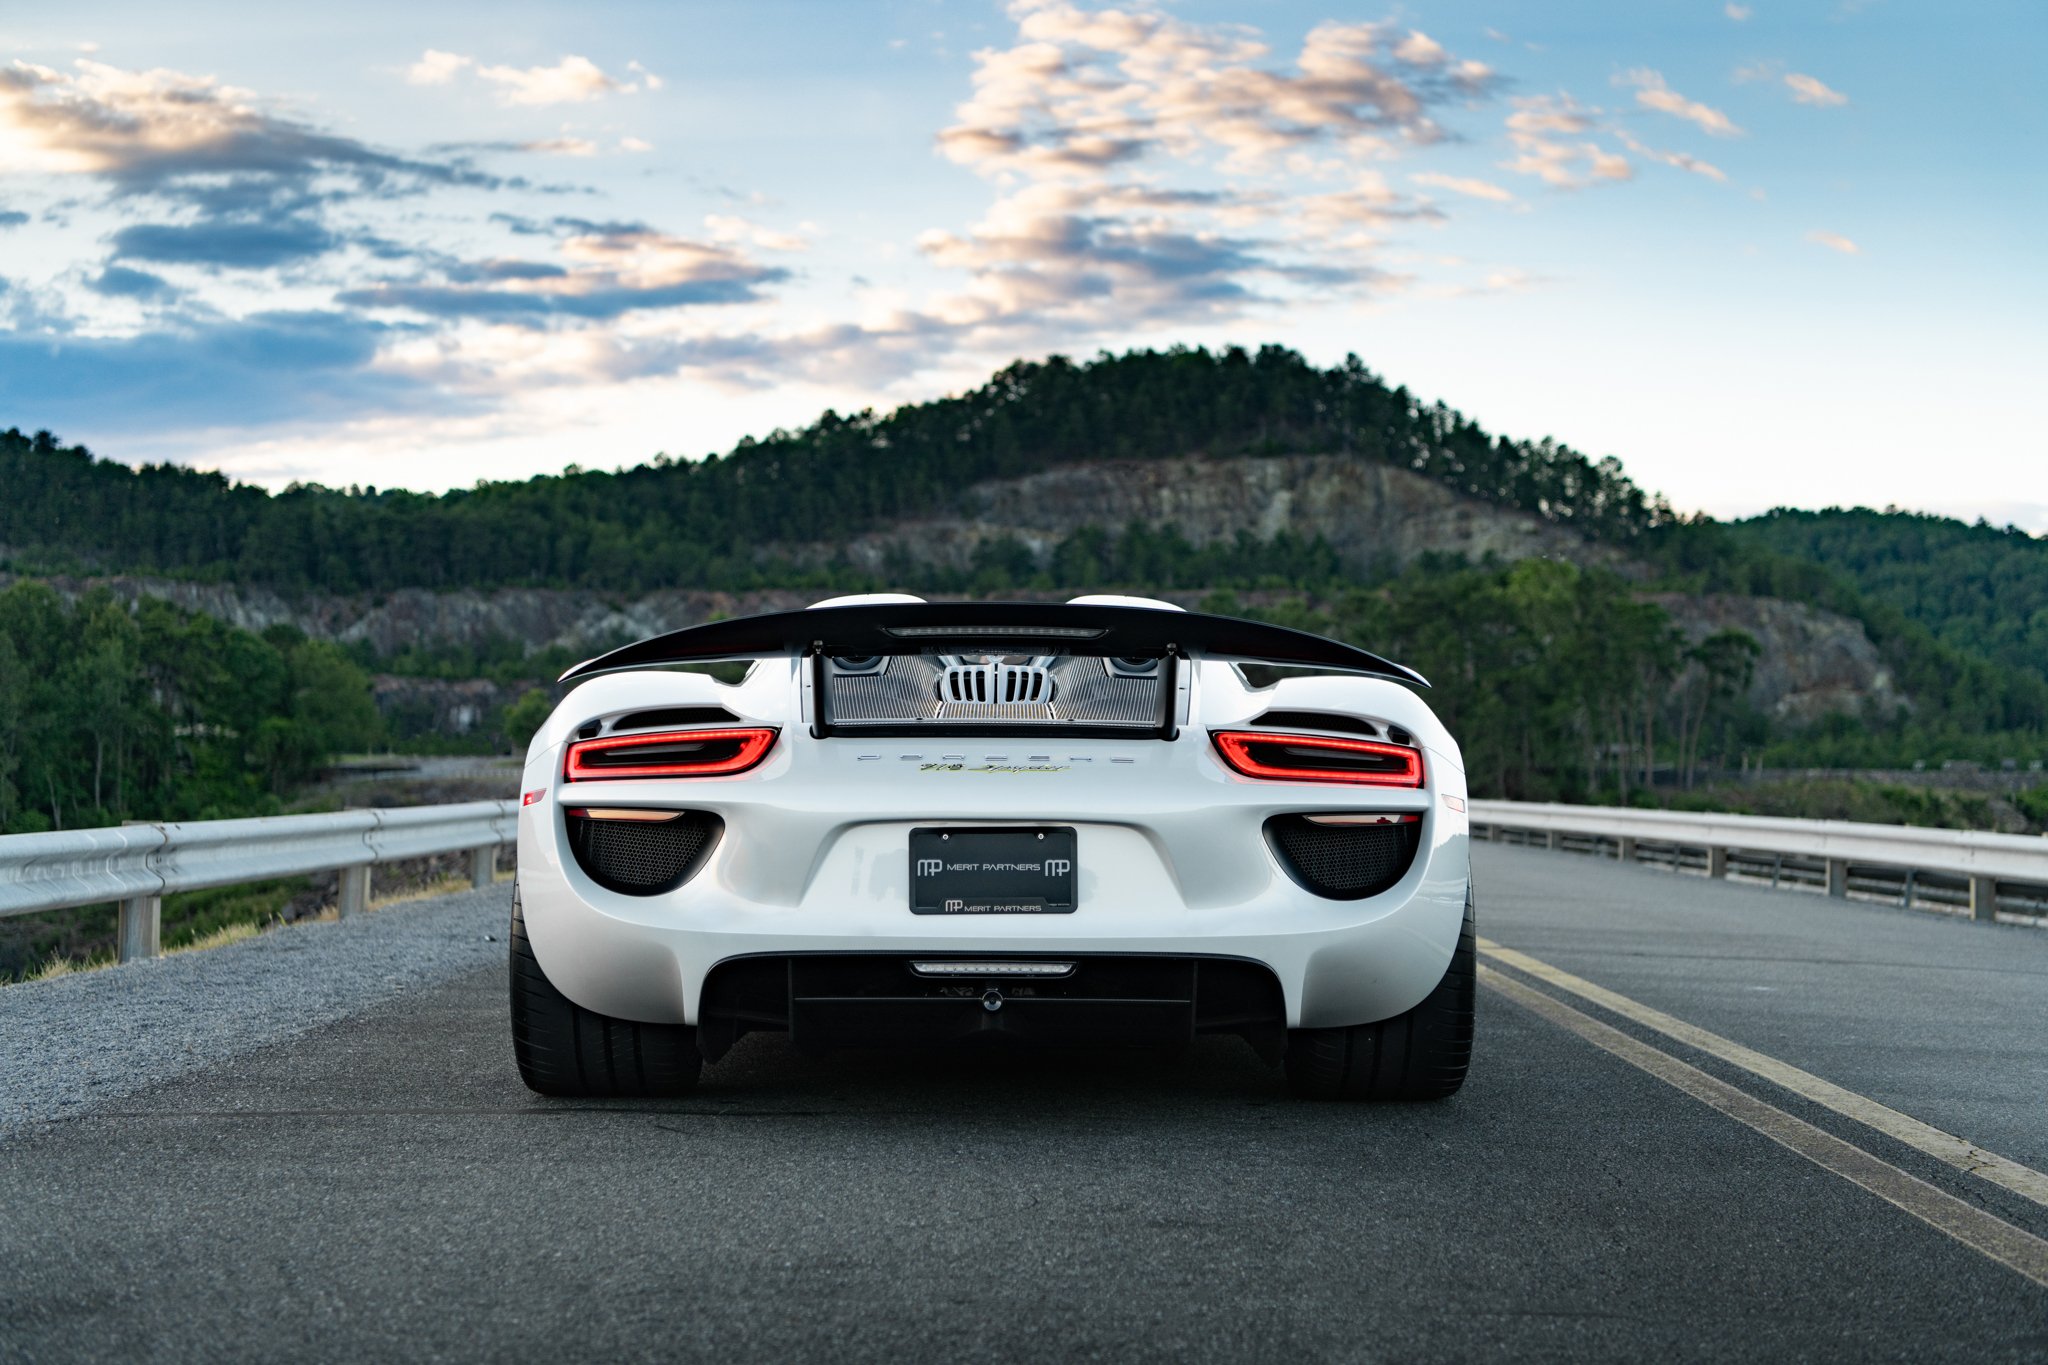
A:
[1077,824]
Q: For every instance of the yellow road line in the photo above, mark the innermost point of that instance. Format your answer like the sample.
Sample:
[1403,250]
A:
[2011,1247]
[1958,1152]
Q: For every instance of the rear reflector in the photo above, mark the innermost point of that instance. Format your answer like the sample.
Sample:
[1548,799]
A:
[1319,758]
[668,753]
[632,815]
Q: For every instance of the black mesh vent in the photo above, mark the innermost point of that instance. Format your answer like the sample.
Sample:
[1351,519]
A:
[1326,721]
[642,857]
[1344,862]
[675,716]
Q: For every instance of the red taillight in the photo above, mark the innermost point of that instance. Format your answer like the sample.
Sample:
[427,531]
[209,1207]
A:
[1319,758]
[667,753]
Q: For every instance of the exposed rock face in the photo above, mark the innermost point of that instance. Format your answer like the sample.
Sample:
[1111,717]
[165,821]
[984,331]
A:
[535,617]
[1814,663]
[1372,514]
[439,706]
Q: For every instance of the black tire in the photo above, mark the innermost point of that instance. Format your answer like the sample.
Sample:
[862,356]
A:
[564,1049]
[1420,1055]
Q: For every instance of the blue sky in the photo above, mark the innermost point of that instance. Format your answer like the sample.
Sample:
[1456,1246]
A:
[1766,253]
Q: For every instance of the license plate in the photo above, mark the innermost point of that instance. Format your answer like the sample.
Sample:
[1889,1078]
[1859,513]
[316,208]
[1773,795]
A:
[1028,871]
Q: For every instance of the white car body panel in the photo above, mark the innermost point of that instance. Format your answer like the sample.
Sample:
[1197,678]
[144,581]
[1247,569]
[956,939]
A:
[1171,855]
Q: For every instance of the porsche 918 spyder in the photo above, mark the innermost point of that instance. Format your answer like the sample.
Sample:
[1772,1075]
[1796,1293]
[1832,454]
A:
[1106,822]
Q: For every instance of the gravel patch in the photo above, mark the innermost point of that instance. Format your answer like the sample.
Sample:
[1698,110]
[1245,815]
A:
[76,1042]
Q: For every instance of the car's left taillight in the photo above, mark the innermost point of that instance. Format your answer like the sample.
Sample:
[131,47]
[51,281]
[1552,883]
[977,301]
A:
[668,753]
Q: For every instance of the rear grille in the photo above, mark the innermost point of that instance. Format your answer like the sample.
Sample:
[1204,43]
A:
[1344,862]
[642,857]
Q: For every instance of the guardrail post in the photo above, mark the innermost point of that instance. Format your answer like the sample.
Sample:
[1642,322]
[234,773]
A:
[354,895]
[483,866]
[1717,862]
[1983,897]
[141,929]
[1625,849]
[1550,838]
[1838,877]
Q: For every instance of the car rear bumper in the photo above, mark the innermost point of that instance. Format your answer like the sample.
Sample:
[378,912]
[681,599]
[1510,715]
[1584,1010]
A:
[1198,882]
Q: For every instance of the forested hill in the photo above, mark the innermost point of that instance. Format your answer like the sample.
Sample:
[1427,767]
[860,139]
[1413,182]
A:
[692,522]
[1980,588]
[1938,597]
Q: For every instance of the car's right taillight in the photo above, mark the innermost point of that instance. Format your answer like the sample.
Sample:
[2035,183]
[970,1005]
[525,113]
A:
[1318,758]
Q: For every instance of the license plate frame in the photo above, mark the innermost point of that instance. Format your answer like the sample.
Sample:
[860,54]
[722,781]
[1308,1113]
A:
[992,870]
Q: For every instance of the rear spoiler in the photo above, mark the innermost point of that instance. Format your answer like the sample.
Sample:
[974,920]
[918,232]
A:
[987,627]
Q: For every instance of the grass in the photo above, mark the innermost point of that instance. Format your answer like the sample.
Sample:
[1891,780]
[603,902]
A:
[220,938]
[445,886]
[71,966]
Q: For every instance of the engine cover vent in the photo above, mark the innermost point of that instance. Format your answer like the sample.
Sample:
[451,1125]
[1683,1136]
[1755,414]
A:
[995,690]
[996,681]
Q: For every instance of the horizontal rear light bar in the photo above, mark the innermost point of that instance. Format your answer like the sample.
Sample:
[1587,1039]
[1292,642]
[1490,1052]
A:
[1033,969]
[1319,758]
[668,753]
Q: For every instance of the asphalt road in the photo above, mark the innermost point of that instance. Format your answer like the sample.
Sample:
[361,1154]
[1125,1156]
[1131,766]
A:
[382,1187]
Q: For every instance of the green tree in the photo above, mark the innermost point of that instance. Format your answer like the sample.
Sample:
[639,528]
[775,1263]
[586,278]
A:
[523,718]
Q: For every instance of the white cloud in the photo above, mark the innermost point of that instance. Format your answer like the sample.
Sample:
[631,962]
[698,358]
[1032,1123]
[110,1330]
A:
[1807,90]
[1652,93]
[572,80]
[729,228]
[1684,161]
[634,144]
[1466,185]
[437,68]
[1804,89]
[563,146]
[1834,241]
[1087,90]
[1556,140]
[1739,13]
[1419,49]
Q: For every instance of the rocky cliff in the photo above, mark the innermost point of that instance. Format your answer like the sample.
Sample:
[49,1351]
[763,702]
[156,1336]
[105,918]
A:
[1372,514]
[1813,663]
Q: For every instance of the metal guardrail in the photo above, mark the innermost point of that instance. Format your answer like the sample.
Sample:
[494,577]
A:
[140,863]
[1959,871]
